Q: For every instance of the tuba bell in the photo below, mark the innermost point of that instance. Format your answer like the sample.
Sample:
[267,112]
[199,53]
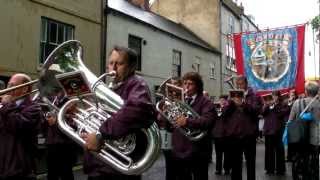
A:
[89,109]
[172,105]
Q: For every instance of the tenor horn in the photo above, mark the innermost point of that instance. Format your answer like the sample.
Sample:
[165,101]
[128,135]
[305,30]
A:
[92,109]
[173,106]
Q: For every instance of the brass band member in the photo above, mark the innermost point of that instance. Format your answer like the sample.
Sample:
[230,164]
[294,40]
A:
[136,113]
[191,159]
[241,122]
[167,129]
[222,156]
[273,113]
[19,119]
[60,147]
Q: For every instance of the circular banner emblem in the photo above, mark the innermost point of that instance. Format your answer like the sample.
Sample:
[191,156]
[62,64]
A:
[270,60]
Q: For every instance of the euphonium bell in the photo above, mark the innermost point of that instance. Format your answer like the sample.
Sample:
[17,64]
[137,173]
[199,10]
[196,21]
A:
[89,109]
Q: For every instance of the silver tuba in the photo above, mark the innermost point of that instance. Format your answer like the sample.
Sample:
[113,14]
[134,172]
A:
[89,109]
[172,105]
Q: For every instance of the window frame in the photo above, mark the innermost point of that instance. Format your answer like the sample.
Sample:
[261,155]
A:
[45,36]
[230,56]
[212,71]
[178,65]
[139,53]
[231,24]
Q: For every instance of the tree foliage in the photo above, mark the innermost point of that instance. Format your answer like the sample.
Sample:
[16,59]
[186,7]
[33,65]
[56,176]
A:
[315,23]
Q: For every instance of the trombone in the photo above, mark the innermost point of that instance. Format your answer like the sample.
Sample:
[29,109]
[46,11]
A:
[10,89]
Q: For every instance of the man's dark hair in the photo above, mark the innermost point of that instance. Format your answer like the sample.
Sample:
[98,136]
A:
[196,78]
[130,56]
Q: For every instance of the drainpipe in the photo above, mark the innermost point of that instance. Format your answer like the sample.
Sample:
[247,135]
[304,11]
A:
[220,47]
[103,40]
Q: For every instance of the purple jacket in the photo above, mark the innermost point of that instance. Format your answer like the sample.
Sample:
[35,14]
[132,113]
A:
[241,121]
[182,147]
[274,119]
[219,126]
[18,136]
[138,112]
[52,133]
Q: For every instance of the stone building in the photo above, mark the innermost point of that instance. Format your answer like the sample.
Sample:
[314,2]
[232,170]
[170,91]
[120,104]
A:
[31,29]
[165,48]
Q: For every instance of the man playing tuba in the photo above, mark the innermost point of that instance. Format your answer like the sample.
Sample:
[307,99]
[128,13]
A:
[136,113]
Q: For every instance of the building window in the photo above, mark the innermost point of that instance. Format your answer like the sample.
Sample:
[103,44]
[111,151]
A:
[196,65]
[53,33]
[176,63]
[231,25]
[134,43]
[245,26]
[212,71]
[230,56]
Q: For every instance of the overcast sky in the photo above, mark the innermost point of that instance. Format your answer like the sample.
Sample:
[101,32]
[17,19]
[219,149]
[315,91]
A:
[279,13]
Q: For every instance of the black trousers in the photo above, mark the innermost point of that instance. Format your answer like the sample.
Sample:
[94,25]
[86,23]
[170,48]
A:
[274,154]
[238,147]
[222,156]
[169,162]
[114,177]
[190,169]
[60,160]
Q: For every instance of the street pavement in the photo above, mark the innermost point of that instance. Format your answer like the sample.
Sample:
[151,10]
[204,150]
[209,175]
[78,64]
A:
[157,171]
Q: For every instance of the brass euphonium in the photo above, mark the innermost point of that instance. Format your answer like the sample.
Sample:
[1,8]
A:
[172,106]
[89,111]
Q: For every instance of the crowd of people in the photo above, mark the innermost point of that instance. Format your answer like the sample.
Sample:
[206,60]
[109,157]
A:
[232,123]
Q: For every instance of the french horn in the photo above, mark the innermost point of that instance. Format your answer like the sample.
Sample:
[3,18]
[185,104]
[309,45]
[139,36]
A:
[89,109]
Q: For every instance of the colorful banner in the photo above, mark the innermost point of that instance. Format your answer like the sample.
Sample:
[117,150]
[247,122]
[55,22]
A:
[272,59]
